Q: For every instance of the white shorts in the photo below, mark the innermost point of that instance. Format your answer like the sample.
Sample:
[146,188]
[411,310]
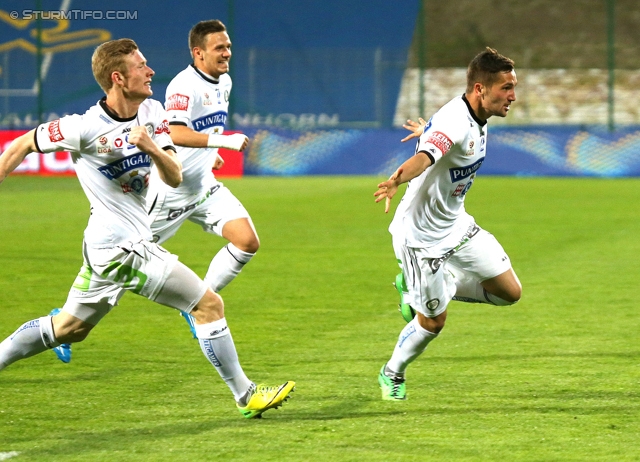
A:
[211,209]
[143,268]
[431,286]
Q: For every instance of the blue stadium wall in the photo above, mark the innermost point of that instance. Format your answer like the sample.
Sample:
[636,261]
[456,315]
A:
[341,60]
[530,151]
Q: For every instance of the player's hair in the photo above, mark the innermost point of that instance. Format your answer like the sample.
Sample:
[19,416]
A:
[110,57]
[486,67]
[199,32]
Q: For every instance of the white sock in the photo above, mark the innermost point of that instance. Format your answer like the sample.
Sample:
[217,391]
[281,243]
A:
[31,338]
[413,340]
[225,266]
[217,345]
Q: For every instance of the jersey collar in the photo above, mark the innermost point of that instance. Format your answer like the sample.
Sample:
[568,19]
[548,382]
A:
[473,114]
[113,115]
[207,77]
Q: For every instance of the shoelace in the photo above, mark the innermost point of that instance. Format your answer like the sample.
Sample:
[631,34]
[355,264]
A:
[397,382]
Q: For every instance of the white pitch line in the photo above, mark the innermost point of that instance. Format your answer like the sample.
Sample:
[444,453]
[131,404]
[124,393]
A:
[8,455]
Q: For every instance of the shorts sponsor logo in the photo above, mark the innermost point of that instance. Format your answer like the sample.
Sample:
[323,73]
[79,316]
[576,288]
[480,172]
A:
[176,213]
[460,173]
[440,141]
[55,135]
[436,263]
[177,102]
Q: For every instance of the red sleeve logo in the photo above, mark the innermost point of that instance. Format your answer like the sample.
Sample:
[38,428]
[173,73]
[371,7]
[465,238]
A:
[177,102]
[163,128]
[55,135]
[440,141]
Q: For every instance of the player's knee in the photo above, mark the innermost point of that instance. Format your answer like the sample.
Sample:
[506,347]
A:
[434,325]
[71,330]
[249,243]
[210,308]
[514,293]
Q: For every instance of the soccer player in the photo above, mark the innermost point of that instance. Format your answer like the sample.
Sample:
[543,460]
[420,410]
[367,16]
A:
[197,102]
[443,253]
[114,145]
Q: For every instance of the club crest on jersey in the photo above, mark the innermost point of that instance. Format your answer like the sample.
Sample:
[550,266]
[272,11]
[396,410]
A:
[460,173]
[217,119]
[136,183]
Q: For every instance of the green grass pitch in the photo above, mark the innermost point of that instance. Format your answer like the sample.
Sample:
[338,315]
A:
[554,377]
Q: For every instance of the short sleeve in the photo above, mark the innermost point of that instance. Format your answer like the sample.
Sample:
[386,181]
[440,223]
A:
[64,134]
[162,135]
[178,104]
[439,136]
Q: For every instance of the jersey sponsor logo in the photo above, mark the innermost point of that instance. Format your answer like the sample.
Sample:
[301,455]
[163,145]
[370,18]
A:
[440,141]
[55,135]
[121,166]
[117,143]
[177,102]
[217,119]
[163,128]
[460,173]
[102,140]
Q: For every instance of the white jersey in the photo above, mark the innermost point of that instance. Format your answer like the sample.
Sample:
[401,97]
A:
[431,215]
[113,173]
[200,102]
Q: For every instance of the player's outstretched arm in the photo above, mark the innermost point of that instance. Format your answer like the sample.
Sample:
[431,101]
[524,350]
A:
[186,136]
[16,152]
[406,172]
[416,128]
[169,167]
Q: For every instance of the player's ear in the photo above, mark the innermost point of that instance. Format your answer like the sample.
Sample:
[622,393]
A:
[197,53]
[117,78]
[479,89]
